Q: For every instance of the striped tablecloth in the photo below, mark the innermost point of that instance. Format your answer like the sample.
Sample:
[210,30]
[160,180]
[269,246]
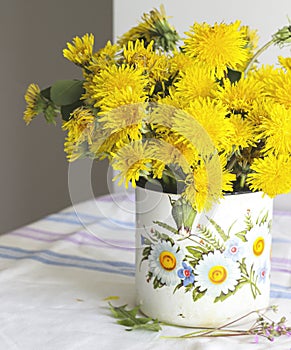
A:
[56,273]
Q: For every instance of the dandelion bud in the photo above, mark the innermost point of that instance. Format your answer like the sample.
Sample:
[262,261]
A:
[283,36]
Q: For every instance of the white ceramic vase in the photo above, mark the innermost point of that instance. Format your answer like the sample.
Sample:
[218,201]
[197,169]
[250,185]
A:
[202,269]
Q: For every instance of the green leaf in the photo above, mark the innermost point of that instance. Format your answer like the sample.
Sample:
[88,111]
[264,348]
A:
[178,286]
[145,240]
[183,213]
[248,221]
[218,229]
[230,228]
[233,75]
[243,267]
[210,239]
[68,109]
[196,252]
[66,92]
[157,283]
[196,295]
[154,326]
[242,235]
[129,318]
[263,219]
[126,323]
[166,226]
[146,252]
[46,93]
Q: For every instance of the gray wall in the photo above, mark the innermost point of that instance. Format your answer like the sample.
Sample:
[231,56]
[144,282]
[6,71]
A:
[34,170]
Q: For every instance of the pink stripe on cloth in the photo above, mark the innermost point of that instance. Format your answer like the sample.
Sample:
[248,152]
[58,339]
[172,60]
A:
[83,239]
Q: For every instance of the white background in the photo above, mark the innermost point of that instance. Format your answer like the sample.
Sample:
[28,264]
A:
[265,16]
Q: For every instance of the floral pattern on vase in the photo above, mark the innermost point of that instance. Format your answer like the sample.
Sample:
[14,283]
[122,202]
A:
[213,261]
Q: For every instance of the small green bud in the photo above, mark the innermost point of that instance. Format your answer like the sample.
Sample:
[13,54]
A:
[283,36]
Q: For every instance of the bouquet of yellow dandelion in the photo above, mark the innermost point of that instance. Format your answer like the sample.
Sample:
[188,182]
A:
[197,116]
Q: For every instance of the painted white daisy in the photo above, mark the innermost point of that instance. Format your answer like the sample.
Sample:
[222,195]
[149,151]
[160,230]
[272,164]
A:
[164,262]
[216,273]
[259,244]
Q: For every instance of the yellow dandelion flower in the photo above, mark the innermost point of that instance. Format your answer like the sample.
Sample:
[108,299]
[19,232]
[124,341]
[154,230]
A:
[266,75]
[276,129]
[228,179]
[205,118]
[169,152]
[220,46]
[196,191]
[196,81]
[171,100]
[117,86]
[75,151]
[204,184]
[127,117]
[135,53]
[80,52]
[252,39]
[81,125]
[280,88]
[155,65]
[239,96]
[158,168]
[179,62]
[159,71]
[80,129]
[185,148]
[251,36]
[106,143]
[285,62]
[131,161]
[244,132]
[271,175]
[33,99]
[160,117]
[258,111]
[105,57]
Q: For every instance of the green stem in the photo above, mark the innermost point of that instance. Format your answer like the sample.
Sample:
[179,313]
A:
[210,331]
[242,180]
[199,237]
[224,334]
[254,288]
[258,53]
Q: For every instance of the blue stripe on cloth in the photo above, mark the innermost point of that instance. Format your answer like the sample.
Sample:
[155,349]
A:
[279,294]
[94,218]
[80,219]
[52,258]
[280,286]
[280,240]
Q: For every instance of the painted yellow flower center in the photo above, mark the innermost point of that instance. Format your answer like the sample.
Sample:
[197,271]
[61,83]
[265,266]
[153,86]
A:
[168,260]
[259,246]
[217,274]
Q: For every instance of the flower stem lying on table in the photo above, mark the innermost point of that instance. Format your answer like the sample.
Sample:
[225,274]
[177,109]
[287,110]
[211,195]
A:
[263,326]
[129,319]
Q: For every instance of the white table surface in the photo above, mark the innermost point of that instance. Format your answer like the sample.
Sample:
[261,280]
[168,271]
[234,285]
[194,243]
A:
[56,273]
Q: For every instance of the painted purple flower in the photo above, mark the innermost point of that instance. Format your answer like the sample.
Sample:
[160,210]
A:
[186,274]
[234,249]
[263,273]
